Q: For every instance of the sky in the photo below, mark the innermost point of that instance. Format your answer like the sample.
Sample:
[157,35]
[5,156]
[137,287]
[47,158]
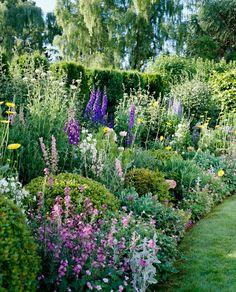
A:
[46,5]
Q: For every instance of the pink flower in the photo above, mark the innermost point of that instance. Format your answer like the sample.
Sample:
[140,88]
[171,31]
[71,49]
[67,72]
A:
[121,288]
[118,168]
[143,263]
[171,183]
[98,287]
[54,155]
[151,243]
[89,285]
[125,221]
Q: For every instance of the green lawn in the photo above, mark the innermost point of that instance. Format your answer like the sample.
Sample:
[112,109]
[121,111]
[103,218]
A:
[209,251]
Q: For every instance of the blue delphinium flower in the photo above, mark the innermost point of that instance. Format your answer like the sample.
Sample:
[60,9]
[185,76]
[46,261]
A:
[97,112]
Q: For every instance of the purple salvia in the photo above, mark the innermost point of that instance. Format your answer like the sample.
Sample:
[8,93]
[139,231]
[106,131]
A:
[90,104]
[57,211]
[73,131]
[97,114]
[44,151]
[54,157]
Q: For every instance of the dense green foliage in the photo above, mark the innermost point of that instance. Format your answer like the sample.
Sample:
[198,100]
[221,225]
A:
[80,187]
[224,90]
[146,181]
[19,262]
[113,81]
[210,30]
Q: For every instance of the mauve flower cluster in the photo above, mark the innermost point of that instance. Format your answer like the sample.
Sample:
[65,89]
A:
[96,109]
[85,251]
[52,163]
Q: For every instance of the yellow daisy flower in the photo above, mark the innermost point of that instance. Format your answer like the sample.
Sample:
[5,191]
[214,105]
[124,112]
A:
[162,138]
[13,146]
[106,130]
[5,122]
[10,113]
[168,147]
[1,102]
[10,104]
[221,173]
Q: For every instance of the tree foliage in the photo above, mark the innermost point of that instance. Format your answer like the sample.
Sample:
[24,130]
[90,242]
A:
[21,26]
[211,31]
[117,33]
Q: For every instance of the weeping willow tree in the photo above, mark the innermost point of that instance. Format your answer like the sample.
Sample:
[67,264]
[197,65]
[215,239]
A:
[115,33]
[21,26]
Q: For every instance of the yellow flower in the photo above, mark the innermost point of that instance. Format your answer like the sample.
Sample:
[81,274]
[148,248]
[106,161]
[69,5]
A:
[162,138]
[106,130]
[168,147]
[155,104]
[10,104]
[217,126]
[1,102]
[168,124]
[140,120]
[10,113]
[221,173]
[13,146]
[5,122]
[202,126]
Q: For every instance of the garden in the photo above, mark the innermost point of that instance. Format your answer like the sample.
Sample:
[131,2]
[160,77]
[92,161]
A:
[110,178]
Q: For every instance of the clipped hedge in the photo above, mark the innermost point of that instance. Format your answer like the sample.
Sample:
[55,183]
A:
[19,263]
[147,181]
[113,81]
[80,188]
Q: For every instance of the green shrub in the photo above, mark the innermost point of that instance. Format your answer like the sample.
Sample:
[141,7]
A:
[195,97]
[224,89]
[173,68]
[4,65]
[146,181]
[24,61]
[19,263]
[80,187]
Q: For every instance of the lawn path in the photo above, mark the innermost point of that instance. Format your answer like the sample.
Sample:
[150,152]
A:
[209,250]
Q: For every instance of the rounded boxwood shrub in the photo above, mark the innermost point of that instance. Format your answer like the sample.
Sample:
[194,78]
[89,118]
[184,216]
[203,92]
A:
[80,188]
[19,263]
[146,181]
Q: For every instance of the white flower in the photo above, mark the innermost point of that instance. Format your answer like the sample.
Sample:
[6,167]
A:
[123,133]
[121,149]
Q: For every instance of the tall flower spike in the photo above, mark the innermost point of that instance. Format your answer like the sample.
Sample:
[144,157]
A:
[44,151]
[131,117]
[97,114]
[104,108]
[90,104]
[54,157]
[73,131]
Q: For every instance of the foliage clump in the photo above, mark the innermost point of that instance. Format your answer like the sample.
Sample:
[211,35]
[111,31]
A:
[146,181]
[80,187]
[19,263]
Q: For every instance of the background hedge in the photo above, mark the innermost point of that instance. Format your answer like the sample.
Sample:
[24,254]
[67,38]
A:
[113,81]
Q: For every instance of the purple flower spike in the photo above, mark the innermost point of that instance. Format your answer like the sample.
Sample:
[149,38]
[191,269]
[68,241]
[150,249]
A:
[97,114]
[90,103]
[73,131]
[131,117]
[104,107]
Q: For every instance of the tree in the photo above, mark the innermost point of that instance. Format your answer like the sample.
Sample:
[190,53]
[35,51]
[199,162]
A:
[211,32]
[21,26]
[116,33]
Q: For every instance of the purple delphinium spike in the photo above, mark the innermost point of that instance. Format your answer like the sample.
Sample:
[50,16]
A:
[104,108]
[97,114]
[130,136]
[131,117]
[177,107]
[73,131]
[90,104]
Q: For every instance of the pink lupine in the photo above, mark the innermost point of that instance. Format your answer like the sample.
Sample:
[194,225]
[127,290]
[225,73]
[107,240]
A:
[44,151]
[119,168]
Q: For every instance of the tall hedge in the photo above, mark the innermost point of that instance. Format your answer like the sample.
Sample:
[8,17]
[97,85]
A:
[114,81]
